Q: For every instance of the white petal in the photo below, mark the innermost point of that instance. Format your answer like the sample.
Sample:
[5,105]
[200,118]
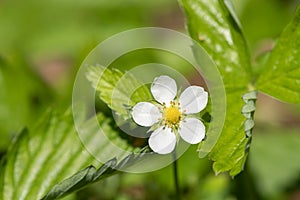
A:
[192,130]
[164,89]
[145,114]
[193,99]
[162,141]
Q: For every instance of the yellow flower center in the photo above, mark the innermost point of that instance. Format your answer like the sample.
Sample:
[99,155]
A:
[172,115]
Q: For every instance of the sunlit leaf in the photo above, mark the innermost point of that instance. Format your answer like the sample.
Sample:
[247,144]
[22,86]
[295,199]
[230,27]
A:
[281,75]
[120,91]
[49,153]
[212,25]
[215,26]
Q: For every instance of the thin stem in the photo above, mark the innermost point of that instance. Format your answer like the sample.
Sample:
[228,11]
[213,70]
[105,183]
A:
[176,180]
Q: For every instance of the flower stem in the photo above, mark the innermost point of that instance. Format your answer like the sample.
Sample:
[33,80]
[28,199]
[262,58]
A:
[176,179]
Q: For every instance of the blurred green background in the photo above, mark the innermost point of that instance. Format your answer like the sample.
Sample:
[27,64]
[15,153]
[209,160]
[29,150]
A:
[42,44]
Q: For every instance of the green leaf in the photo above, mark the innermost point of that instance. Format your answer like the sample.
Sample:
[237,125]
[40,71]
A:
[281,75]
[49,153]
[214,27]
[120,91]
[214,24]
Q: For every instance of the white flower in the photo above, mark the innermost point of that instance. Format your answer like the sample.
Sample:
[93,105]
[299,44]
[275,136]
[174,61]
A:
[171,114]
